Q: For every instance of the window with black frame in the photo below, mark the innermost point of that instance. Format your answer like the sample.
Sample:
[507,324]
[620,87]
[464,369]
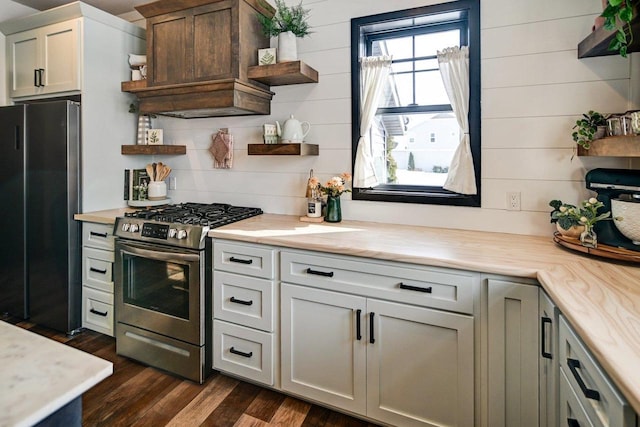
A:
[413,134]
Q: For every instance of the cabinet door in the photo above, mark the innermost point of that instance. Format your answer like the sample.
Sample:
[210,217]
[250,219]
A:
[322,356]
[23,60]
[549,362]
[213,41]
[419,366]
[60,57]
[513,354]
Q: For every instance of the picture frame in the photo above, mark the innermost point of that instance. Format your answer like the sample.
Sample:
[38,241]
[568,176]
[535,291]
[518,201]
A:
[154,137]
[267,56]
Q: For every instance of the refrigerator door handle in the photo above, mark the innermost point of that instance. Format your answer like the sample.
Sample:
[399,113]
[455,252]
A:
[18,137]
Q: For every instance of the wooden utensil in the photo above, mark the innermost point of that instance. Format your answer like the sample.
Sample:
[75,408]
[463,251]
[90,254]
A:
[149,169]
[153,177]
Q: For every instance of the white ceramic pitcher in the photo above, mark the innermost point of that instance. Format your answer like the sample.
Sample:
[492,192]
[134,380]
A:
[291,131]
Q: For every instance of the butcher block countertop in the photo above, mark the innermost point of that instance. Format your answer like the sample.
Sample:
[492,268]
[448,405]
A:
[102,217]
[600,298]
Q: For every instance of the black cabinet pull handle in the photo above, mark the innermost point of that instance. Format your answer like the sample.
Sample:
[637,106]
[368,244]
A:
[371,337]
[99,313]
[572,422]
[241,353]
[416,288]
[358,325]
[35,77]
[574,365]
[239,301]
[103,235]
[40,73]
[543,322]
[320,273]
[97,270]
[241,261]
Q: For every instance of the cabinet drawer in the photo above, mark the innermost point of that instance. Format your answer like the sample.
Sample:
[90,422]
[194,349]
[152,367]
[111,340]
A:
[98,236]
[97,269]
[97,311]
[247,301]
[571,411]
[244,259]
[412,284]
[243,351]
[601,401]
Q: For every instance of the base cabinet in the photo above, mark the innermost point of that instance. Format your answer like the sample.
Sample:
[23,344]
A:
[396,363]
[512,354]
[548,361]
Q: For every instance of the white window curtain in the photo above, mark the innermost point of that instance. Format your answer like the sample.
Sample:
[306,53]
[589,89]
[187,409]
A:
[374,71]
[454,69]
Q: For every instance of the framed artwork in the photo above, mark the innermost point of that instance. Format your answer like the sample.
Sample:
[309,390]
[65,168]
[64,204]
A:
[154,136]
[267,56]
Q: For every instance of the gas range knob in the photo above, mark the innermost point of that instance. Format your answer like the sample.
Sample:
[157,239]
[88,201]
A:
[172,232]
[125,226]
[181,234]
[134,228]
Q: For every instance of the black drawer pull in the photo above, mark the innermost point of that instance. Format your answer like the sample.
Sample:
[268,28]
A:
[99,313]
[320,273]
[416,288]
[97,270]
[543,347]
[574,365]
[358,326]
[241,261]
[103,235]
[239,301]
[572,422]
[371,337]
[241,353]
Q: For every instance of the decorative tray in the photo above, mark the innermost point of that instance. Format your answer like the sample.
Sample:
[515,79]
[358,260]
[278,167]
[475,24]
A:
[146,203]
[602,250]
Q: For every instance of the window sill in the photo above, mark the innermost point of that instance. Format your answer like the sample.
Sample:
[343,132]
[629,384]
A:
[431,198]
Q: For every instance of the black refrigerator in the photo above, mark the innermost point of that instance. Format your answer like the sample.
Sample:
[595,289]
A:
[40,260]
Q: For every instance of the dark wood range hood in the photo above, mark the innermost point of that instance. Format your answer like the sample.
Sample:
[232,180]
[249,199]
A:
[198,54]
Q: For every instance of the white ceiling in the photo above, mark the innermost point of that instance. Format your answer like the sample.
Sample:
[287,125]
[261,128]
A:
[114,7]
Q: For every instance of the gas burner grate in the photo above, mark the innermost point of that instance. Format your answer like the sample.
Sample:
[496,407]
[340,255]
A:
[207,215]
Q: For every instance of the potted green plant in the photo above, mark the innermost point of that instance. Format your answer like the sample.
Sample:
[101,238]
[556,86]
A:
[288,24]
[566,217]
[590,127]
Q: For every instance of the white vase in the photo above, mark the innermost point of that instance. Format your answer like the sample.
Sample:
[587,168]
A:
[287,47]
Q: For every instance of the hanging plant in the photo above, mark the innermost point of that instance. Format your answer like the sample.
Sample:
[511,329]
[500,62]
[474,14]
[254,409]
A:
[617,17]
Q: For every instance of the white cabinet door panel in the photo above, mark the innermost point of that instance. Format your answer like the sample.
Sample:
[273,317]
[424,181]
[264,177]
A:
[60,59]
[322,359]
[420,367]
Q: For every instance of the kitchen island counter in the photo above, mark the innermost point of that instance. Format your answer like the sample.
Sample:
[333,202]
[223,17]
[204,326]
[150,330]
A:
[601,299]
[39,376]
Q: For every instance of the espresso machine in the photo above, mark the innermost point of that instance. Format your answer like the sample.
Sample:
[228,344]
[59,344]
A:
[612,184]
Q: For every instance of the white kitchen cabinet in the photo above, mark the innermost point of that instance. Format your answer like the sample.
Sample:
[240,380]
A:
[45,60]
[548,361]
[398,363]
[97,277]
[245,311]
[587,395]
[512,354]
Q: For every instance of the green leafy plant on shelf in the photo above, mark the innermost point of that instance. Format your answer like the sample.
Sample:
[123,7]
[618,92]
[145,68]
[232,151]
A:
[587,127]
[617,17]
[286,18]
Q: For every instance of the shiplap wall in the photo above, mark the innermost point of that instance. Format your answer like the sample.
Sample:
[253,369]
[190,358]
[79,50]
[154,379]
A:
[533,90]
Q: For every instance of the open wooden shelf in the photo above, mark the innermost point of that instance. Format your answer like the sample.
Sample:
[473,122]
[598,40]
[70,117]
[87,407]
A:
[283,73]
[133,85]
[283,149]
[154,149]
[597,43]
[613,146]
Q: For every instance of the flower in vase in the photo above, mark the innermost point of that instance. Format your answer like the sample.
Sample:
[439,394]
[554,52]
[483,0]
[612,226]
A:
[334,187]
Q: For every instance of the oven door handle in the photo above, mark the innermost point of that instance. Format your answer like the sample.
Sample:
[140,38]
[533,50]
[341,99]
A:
[159,254]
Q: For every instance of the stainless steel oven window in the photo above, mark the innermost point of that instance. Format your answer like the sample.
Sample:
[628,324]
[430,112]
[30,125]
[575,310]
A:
[161,286]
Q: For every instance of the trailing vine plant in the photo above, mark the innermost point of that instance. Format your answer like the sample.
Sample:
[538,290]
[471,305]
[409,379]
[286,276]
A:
[617,17]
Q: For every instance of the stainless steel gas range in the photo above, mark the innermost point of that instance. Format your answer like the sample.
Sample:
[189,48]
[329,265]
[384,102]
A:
[162,300]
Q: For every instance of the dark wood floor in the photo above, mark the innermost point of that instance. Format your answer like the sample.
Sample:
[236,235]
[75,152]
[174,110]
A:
[138,395]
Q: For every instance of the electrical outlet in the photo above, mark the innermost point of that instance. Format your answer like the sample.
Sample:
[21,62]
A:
[513,201]
[172,183]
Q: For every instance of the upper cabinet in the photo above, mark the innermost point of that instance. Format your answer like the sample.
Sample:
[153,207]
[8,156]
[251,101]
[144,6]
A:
[45,60]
